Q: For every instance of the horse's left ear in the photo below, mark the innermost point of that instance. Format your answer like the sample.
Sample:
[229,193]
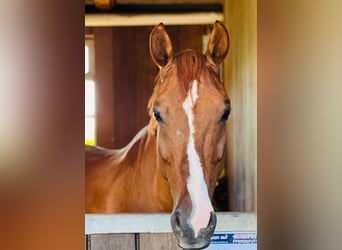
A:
[218,43]
[160,45]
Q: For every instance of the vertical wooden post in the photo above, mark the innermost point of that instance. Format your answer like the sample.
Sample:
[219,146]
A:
[241,82]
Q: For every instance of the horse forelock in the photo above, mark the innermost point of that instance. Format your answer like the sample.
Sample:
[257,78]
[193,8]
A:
[189,66]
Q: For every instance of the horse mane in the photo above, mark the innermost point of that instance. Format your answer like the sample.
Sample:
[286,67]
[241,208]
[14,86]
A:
[96,153]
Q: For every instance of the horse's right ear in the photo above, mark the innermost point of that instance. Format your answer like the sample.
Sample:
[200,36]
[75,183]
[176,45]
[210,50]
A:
[160,45]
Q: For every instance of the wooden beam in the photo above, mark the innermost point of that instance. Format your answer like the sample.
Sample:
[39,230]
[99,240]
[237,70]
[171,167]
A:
[102,20]
[160,223]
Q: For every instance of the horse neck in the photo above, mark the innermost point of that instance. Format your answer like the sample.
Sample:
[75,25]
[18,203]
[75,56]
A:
[148,175]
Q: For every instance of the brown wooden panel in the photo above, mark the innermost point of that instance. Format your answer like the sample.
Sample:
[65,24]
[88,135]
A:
[134,74]
[158,241]
[186,37]
[104,87]
[112,242]
[124,84]
[190,37]
[145,72]
[241,82]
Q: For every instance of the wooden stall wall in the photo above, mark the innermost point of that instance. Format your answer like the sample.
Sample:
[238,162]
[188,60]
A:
[124,76]
[241,82]
[152,231]
[132,241]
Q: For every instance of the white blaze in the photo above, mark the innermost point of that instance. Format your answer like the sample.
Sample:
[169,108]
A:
[201,204]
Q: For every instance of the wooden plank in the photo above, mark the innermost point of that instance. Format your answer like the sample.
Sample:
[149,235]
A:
[158,241]
[241,83]
[160,223]
[112,242]
[195,18]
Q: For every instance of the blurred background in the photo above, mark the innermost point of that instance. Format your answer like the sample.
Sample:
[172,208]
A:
[299,119]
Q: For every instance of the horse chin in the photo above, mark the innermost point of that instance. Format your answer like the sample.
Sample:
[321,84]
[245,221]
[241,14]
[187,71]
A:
[199,244]
[185,234]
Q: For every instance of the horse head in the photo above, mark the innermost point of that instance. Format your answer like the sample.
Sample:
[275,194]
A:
[189,109]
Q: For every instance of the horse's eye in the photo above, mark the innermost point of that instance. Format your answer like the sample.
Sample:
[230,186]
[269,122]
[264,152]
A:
[157,116]
[225,115]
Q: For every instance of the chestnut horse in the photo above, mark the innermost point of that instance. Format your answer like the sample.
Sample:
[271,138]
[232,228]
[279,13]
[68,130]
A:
[173,163]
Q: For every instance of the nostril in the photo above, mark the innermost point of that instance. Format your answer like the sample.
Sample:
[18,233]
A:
[212,221]
[177,223]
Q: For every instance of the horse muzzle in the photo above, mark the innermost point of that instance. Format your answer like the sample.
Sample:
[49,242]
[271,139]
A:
[184,232]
